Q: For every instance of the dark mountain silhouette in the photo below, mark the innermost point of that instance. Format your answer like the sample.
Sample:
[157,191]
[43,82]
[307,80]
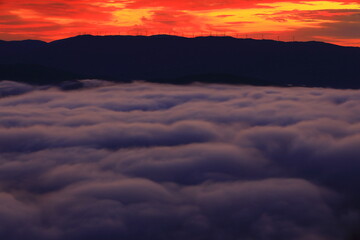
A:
[171,59]
[35,74]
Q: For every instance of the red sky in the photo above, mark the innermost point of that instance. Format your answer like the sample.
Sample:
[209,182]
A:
[330,21]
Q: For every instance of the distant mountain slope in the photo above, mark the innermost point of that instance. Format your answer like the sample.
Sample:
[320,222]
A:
[35,74]
[169,59]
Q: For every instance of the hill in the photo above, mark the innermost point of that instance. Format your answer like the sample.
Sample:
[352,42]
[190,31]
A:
[173,59]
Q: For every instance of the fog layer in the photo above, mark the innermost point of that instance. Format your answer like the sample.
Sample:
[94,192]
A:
[204,162]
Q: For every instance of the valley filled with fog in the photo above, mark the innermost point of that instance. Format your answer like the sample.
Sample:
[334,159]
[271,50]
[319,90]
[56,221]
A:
[155,161]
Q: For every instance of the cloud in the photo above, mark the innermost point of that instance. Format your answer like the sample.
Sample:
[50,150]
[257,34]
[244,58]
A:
[149,161]
[330,21]
[8,88]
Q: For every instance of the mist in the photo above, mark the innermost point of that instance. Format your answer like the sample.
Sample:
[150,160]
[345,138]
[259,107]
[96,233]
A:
[155,161]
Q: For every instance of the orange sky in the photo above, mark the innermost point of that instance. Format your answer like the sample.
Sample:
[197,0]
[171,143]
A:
[330,21]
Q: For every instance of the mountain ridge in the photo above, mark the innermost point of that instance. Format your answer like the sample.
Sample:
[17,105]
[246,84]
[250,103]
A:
[163,58]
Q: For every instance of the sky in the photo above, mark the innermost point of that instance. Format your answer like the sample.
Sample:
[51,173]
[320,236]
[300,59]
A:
[333,21]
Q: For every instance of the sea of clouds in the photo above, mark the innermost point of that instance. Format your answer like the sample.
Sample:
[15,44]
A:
[202,162]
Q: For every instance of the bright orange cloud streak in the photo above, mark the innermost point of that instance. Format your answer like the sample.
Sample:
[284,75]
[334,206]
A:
[332,21]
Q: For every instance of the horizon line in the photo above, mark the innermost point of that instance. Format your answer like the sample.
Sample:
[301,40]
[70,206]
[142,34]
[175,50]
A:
[188,36]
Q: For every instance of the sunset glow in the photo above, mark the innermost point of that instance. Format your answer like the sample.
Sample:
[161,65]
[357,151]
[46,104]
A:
[330,21]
